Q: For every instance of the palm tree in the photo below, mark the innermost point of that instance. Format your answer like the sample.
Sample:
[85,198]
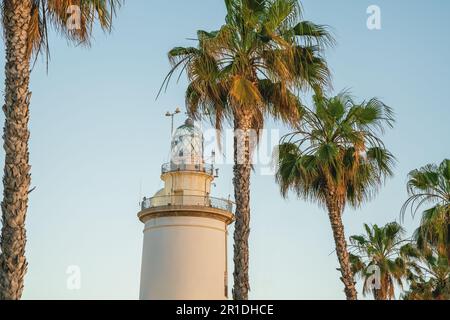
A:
[337,158]
[254,66]
[430,185]
[381,252]
[430,280]
[25,25]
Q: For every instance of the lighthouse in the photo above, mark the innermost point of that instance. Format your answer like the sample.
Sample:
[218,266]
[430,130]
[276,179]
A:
[184,254]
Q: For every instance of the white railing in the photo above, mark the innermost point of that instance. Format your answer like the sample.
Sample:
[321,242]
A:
[187,200]
[172,167]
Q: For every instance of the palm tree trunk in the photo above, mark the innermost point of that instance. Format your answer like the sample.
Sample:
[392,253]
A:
[16,179]
[447,244]
[241,182]
[335,208]
[377,294]
[448,255]
[382,292]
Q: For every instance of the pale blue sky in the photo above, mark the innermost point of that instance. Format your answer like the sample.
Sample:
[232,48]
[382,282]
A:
[98,135]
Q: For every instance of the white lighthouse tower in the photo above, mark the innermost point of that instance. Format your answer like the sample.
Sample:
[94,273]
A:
[185,235]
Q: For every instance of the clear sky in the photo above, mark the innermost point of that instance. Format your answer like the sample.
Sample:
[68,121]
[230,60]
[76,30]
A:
[99,138]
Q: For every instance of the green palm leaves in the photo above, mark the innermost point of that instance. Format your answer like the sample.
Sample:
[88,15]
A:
[430,280]
[338,150]
[423,262]
[381,252]
[430,185]
[254,65]
[382,258]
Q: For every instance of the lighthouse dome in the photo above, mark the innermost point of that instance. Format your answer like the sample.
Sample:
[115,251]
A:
[187,144]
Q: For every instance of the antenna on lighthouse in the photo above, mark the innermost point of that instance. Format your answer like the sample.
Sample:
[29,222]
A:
[172,115]
[213,157]
[213,163]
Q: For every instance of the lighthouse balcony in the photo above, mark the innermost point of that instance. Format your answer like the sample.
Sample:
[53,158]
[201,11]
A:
[187,200]
[192,167]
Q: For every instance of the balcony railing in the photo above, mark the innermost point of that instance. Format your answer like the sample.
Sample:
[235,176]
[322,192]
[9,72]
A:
[187,200]
[172,167]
